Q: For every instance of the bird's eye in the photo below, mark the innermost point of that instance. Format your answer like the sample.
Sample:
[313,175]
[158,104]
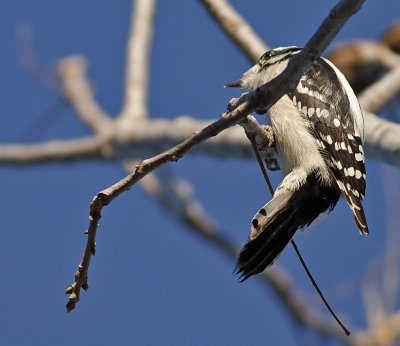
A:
[265,57]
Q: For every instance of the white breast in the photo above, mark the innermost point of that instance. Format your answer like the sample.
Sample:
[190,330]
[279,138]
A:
[296,147]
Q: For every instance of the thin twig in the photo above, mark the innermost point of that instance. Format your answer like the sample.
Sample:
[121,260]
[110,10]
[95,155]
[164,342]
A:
[347,332]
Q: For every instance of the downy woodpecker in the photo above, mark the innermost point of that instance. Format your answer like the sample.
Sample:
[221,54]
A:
[319,132]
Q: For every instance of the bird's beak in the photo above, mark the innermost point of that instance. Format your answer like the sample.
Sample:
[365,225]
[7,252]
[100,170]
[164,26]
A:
[235,84]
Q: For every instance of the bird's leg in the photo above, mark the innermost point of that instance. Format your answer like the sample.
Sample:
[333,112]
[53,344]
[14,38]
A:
[266,146]
[264,139]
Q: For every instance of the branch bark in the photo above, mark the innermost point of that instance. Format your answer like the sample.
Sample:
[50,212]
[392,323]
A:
[382,139]
[77,90]
[137,62]
[146,139]
[236,28]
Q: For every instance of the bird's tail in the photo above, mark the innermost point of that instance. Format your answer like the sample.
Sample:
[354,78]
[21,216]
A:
[276,223]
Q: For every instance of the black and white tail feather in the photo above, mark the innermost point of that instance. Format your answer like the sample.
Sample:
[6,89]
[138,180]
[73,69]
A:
[319,133]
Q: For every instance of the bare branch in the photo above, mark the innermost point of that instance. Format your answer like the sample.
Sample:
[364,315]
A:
[382,139]
[378,94]
[236,28]
[106,196]
[384,334]
[146,139]
[137,62]
[76,149]
[78,91]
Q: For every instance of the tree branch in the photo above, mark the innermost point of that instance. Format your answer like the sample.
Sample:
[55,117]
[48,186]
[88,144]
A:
[381,92]
[382,139]
[236,28]
[78,91]
[71,149]
[137,62]
[384,334]
[146,139]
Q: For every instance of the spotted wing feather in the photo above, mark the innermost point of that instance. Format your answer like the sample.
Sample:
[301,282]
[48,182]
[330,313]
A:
[325,103]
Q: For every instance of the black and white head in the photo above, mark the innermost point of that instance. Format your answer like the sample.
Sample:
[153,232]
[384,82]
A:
[270,64]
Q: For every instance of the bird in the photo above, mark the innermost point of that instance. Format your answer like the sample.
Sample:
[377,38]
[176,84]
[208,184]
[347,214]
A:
[318,131]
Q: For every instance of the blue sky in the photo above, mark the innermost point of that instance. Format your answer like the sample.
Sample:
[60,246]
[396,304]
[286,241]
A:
[154,282]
